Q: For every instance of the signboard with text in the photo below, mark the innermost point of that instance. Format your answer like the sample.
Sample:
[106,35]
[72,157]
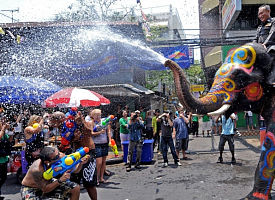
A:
[197,88]
[191,56]
[230,11]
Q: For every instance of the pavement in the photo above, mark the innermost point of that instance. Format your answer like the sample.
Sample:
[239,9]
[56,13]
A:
[249,138]
[200,178]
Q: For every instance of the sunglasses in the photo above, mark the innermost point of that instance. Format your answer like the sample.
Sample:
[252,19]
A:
[56,157]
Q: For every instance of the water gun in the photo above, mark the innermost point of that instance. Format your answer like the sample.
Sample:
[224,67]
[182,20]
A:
[114,147]
[69,127]
[104,123]
[66,163]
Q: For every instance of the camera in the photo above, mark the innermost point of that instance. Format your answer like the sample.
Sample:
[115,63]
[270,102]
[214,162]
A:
[135,117]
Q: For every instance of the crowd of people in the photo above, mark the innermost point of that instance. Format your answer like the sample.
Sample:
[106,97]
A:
[167,130]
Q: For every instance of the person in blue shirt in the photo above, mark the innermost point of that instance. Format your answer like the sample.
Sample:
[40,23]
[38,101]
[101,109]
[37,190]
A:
[227,135]
[135,126]
[180,131]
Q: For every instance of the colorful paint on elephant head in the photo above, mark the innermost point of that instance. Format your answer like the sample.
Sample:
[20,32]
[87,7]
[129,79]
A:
[244,82]
[227,85]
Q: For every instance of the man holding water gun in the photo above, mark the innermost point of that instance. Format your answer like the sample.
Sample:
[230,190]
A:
[88,172]
[34,185]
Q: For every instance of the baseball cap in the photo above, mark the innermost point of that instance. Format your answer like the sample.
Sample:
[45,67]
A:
[137,111]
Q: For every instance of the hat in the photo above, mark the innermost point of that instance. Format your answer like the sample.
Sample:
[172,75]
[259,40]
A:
[137,111]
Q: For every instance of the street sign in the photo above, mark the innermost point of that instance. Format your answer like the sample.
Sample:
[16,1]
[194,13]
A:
[197,88]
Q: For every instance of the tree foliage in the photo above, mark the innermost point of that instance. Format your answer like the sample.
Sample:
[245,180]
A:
[83,10]
[194,74]
[157,32]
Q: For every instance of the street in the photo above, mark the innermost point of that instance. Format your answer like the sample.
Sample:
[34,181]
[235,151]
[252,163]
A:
[200,178]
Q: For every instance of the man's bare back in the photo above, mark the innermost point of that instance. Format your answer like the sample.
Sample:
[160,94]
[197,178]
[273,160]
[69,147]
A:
[34,177]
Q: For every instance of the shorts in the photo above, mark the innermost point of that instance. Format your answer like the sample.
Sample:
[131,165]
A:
[101,150]
[229,139]
[30,193]
[249,121]
[181,144]
[206,126]
[124,137]
[87,174]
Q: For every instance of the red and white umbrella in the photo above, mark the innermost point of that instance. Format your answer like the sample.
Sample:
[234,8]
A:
[103,100]
[74,97]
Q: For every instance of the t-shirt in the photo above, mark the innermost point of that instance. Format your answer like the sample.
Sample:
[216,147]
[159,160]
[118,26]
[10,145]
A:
[166,129]
[205,118]
[181,128]
[249,113]
[195,119]
[228,125]
[4,159]
[122,123]
[143,115]
[101,138]
[148,122]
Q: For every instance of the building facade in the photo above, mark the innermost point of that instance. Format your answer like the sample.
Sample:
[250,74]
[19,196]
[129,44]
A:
[225,24]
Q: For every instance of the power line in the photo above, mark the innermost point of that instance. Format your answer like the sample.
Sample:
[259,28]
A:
[12,11]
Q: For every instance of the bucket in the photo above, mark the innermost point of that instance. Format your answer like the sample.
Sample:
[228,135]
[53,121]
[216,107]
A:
[262,134]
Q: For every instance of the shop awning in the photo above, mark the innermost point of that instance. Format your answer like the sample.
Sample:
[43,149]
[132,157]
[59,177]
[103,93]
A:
[130,90]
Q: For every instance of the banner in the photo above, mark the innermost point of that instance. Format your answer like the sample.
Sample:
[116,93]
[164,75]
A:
[179,54]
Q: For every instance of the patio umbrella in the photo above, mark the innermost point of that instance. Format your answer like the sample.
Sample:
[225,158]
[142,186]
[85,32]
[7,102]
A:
[25,90]
[72,97]
[103,100]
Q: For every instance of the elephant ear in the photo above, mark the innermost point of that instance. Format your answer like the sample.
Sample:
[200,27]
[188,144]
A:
[264,62]
[270,80]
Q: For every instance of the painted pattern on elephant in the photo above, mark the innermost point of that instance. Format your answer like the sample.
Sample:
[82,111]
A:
[243,82]
[223,86]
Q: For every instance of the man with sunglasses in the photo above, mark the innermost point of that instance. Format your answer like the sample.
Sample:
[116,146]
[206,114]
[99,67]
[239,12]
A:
[88,172]
[34,186]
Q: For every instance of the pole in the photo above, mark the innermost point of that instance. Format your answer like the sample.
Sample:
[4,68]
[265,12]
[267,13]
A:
[12,11]
[212,139]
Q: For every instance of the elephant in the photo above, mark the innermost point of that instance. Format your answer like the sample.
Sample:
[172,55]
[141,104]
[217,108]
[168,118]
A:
[241,83]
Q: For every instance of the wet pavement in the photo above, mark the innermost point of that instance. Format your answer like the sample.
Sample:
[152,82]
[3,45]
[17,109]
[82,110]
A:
[200,178]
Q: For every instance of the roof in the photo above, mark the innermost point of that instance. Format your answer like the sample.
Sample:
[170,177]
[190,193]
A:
[132,89]
[60,24]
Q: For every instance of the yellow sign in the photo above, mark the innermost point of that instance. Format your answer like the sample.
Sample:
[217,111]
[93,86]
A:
[197,88]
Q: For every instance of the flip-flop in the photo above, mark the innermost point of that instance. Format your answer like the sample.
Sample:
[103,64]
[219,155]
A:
[107,173]
[97,184]
[103,182]
[186,158]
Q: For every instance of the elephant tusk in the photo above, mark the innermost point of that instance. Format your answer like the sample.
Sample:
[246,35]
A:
[221,110]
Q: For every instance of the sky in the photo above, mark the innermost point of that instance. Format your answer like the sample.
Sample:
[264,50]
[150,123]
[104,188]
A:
[43,10]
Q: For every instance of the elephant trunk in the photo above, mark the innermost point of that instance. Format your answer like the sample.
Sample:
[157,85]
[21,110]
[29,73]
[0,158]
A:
[209,103]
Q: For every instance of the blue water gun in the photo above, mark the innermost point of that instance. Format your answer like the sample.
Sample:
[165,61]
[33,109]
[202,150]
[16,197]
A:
[69,126]
[104,123]
[66,163]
